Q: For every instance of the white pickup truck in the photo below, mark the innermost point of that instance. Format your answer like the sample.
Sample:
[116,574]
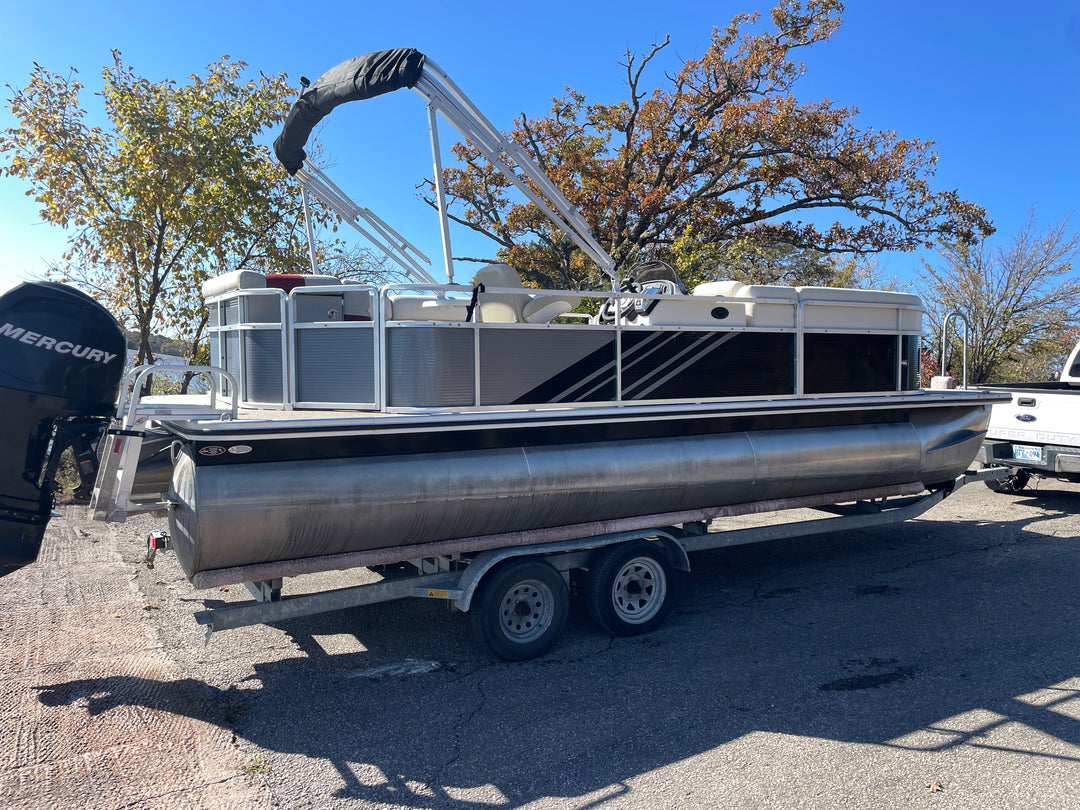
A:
[1038,432]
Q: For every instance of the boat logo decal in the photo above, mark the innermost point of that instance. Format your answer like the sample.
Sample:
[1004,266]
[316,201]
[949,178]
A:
[41,341]
[1026,417]
[240,449]
[211,450]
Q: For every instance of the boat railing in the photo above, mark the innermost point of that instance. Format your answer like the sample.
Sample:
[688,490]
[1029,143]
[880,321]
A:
[331,342]
[133,406]
[403,347]
[860,313]
[245,331]
[119,454]
[962,318]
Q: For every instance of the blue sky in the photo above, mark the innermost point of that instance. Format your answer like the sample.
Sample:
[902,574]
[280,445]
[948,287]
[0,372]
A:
[996,84]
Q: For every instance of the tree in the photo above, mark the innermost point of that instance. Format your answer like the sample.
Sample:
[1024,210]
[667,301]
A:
[176,191]
[754,262]
[360,263]
[722,153]
[1021,301]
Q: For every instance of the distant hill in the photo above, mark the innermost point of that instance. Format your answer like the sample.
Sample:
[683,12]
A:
[159,344]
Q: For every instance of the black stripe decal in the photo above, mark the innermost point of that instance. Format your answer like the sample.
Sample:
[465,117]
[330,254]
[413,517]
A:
[706,343]
[487,437]
[568,384]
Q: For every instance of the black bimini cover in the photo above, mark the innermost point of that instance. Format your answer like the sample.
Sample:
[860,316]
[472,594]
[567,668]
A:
[362,77]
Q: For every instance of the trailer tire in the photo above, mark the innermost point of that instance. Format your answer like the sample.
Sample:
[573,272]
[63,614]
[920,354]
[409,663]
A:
[520,608]
[1012,483]
[630,588]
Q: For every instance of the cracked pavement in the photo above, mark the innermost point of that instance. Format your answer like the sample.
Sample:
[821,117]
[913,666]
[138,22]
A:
[929,664]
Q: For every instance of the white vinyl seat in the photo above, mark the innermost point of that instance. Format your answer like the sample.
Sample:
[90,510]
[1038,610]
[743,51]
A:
[513,307]
[251,280]
[230,282]
[725,288]
[425,308]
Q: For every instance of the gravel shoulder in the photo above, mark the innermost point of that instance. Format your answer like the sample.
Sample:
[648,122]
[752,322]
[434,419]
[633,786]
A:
[94,711]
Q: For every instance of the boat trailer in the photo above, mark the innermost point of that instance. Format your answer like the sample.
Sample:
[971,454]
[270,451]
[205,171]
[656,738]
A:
[516,587]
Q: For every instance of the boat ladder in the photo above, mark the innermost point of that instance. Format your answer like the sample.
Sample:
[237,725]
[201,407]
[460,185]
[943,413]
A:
[121,446]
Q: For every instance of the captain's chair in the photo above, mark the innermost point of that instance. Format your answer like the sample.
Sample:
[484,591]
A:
[513,307]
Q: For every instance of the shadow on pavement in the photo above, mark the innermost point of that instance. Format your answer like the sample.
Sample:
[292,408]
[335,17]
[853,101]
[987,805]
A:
[923,636]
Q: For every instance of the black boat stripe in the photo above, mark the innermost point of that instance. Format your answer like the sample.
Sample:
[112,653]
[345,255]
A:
[567,395]
[274,447]
[627,354]
[555,388]
[669,337]
[632,390]
[584,384]
[629,389]
[710,346]
[581,390]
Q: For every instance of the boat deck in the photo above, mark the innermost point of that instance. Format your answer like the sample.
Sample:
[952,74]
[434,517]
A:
[188,421]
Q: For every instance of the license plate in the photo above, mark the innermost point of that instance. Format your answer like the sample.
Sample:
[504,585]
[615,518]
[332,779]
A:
[1025,452]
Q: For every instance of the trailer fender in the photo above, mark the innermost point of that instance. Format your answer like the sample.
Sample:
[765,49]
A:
[564,555]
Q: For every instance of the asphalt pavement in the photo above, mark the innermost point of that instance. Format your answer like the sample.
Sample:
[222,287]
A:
[932,664]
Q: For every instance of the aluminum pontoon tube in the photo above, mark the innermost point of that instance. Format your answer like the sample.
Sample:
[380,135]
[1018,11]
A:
[217,577]
[61,357]
[242,514]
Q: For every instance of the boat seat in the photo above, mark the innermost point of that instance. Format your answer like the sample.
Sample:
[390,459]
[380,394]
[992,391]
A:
[231,282]
[715,288]
[355,304]
[513,307]
[760,311]
[290,281]
[251,280]
[693,311]
[425,308]
[872,310]
[752,298]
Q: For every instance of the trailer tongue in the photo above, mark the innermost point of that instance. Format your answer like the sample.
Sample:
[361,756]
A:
[61,361]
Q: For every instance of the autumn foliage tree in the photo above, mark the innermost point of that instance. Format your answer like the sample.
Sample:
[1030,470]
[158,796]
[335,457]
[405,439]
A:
[722,152]
[174,191]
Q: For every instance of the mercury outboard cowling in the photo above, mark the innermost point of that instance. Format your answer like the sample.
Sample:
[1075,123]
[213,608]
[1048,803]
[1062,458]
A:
[61,360]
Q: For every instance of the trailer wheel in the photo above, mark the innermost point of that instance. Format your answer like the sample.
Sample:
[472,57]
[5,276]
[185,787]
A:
[629,588]
[520,608]
[1012,483]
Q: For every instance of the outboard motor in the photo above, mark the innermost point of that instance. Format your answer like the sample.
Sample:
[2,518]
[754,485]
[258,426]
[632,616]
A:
[61,361]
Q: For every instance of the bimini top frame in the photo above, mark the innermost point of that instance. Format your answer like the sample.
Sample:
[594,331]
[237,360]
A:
[383,72]
[403,252]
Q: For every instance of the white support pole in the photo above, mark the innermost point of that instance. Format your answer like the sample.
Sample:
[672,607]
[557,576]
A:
[440,192]
[381,235]
[463,115]
[310,231]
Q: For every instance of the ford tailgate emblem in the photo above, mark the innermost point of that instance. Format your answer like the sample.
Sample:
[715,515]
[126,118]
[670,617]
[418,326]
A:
[1026,417]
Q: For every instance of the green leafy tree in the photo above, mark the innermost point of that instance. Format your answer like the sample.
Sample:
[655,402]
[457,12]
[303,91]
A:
[722,153]
[1021,302]
[175,190]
